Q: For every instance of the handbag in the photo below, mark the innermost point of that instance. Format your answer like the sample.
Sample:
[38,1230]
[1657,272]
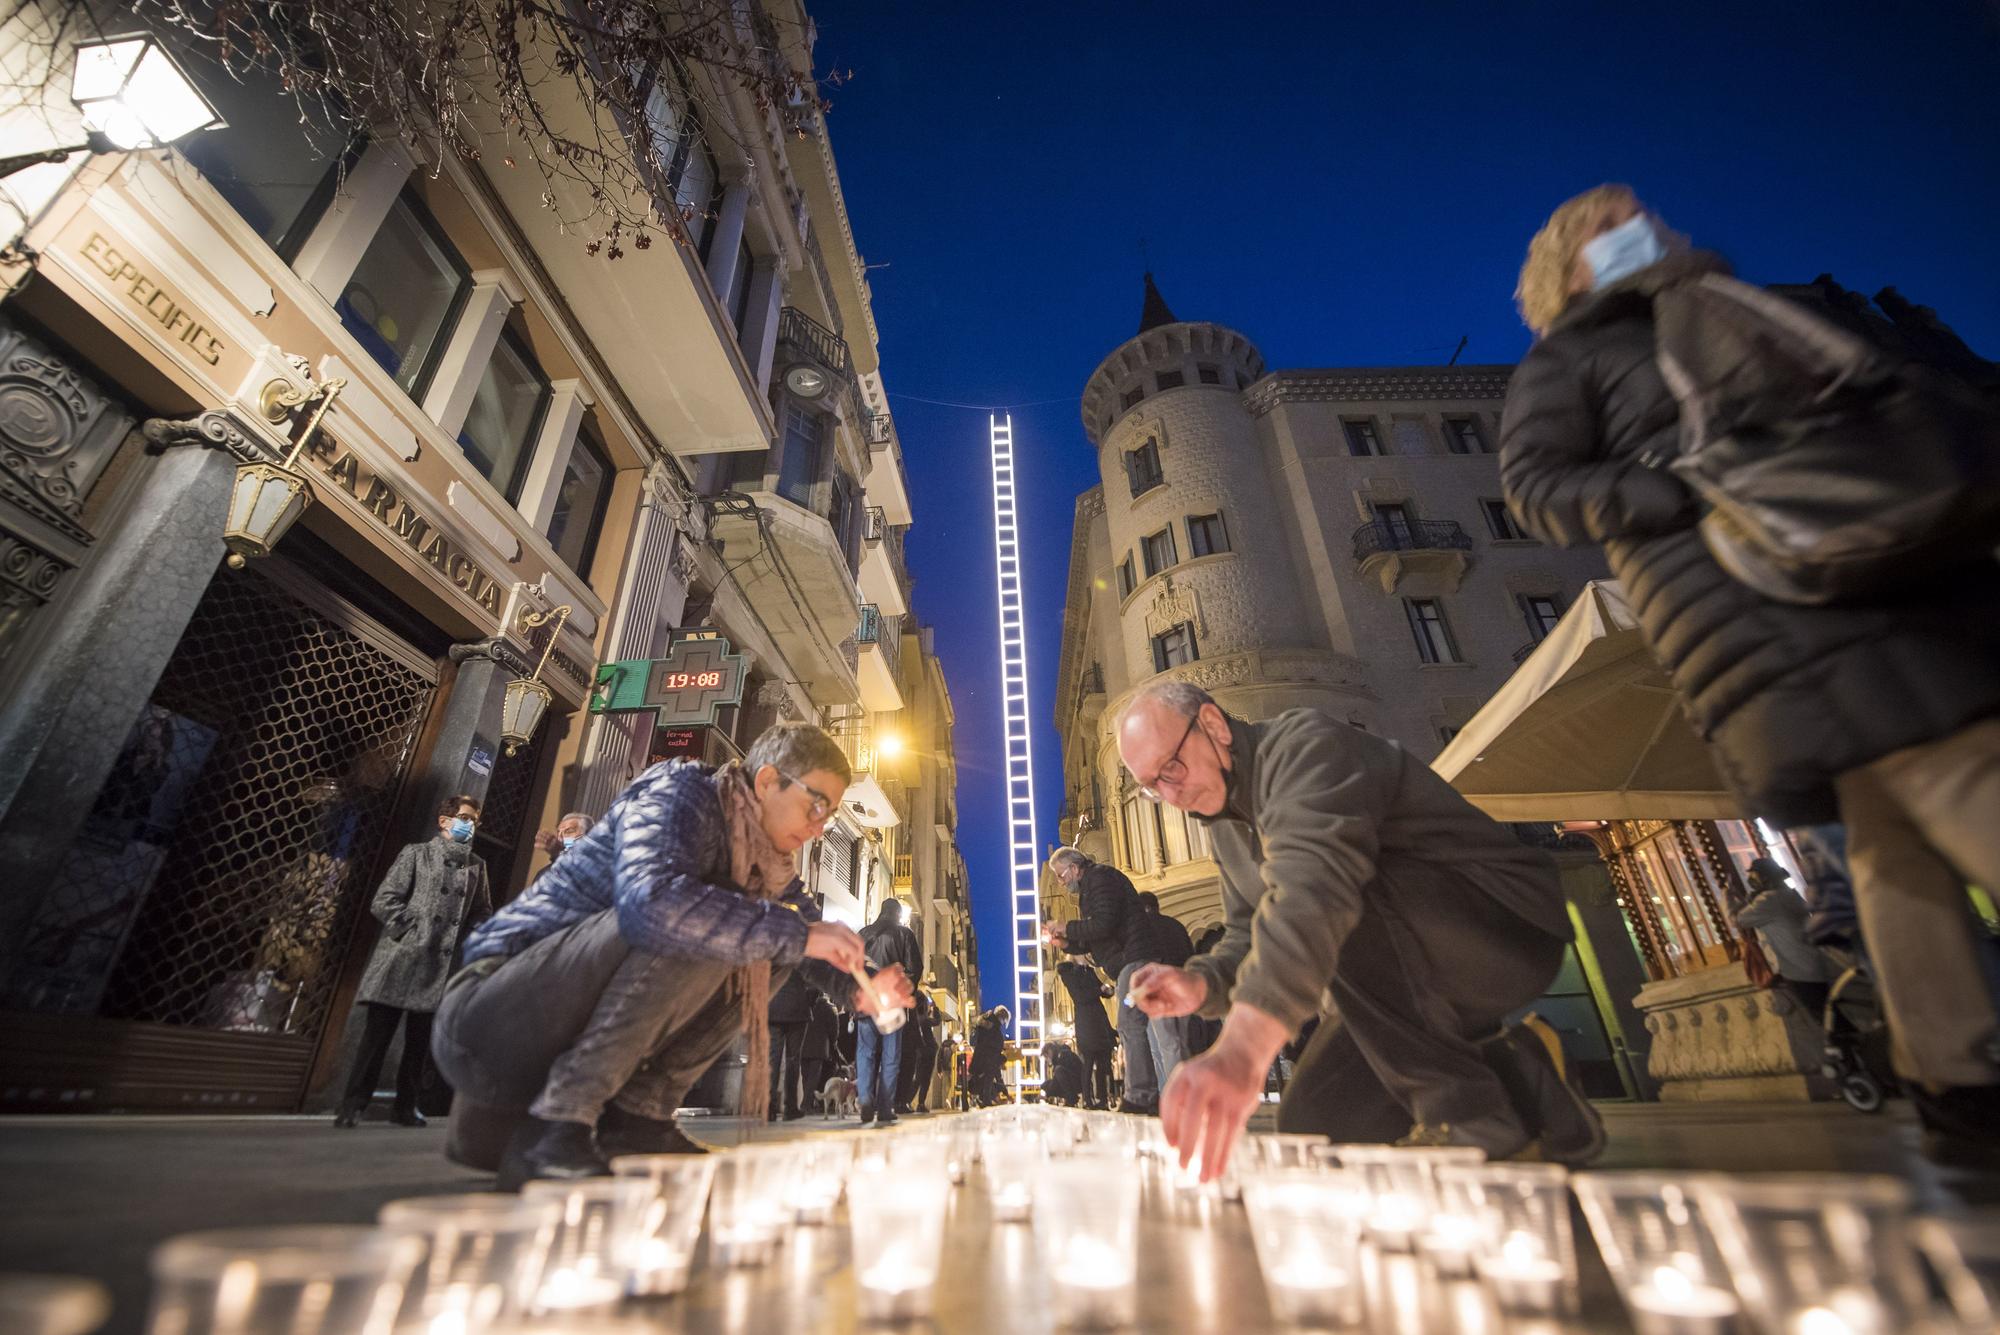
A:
[1828,468]
[1756,964]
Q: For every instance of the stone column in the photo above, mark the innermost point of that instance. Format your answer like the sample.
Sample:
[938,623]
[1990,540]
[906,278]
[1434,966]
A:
[550,454]
[727,239]
[495,292]
[334,248]
[467,741]
[62,730]
[760,339]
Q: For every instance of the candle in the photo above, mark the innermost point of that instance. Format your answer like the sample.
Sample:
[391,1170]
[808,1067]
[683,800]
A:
[1094,1264]
[1448,1245]
[1822,1321]
[1395,1219]
[570,1289]
[1308,1291]
[1672,1303]
[1523,1277]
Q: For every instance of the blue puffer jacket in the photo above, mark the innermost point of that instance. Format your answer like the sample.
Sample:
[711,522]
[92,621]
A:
[660,857]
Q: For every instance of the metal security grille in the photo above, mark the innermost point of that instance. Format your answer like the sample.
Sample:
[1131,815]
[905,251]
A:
[503,818]
[290,733]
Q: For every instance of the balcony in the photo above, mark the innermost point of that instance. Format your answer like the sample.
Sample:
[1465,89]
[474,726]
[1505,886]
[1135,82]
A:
[905,872]
[888,485]
[789,565]
[806,339]
[882,571]
[878,654]
[1432,555]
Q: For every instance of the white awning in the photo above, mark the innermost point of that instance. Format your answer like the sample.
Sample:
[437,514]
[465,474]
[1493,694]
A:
[868,806]
[1588,728]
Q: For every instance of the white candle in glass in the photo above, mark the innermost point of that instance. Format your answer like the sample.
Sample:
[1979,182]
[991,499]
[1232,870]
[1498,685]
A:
[1523,1276]
[1394,1219]
[571,1288]
[1670,1302]
[1448,1244]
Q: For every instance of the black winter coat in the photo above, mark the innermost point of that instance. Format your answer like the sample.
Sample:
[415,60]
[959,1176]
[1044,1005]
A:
[1788,697]
[822,1027]
[988,1048]
[889,942]
[1093,1026]
[1113,929]
[792,1003]
[1171,942]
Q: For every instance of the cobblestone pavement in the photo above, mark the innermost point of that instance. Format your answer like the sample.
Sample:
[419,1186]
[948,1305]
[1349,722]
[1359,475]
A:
[93,1195]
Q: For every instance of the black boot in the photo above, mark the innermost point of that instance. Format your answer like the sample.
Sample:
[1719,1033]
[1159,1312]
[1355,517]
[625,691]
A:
[1961,1124]
[349,1114]
[1528,1058]
[408,1116]
[620,1132]
[550,1150]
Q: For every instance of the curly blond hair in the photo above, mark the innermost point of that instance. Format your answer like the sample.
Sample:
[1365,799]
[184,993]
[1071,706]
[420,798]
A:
[1543,291]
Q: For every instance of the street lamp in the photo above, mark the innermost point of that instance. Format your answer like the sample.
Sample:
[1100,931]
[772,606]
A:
[131,95]
[527,699]
[268,498]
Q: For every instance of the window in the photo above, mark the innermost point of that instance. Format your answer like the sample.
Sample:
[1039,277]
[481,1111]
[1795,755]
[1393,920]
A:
[273,170]
[844,512]
[1181,839]
[692,180]
[405,293]
[1132,396]
[743,470]
[1170,379]
[1138,850]
[1158,549]
[580,503]
[1463,435]
[739,288]
[1174,647]
[1206,535]
[799,461]
[1362,438]
[1208,375]
[1500,521]
[1542,611]
[1142,467]
[1396,525]
[506,412]
[1127,578]
[1427,625]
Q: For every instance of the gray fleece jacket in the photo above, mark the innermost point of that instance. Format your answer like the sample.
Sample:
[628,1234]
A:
[1322,816]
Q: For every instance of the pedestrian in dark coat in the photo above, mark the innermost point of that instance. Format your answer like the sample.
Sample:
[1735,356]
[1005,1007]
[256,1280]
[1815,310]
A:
[1880,713]
[878,1063]
[790,1012]
[1115,932]
[989,1042]
[1065,1078]
[919,1051]
[817,1059]
[434,893]
[1095,1040]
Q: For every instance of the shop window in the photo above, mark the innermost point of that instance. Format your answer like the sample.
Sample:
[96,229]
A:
[799,456]
[1127,577]
[1500,521]
[1428,628]
[580,503]
[1541,611]
[1362,438]
[1206,536]
[1159,550]
[1142,467]
[1175,647]
[1170,379]
[506,413]
[1463,435]
[275,170]
[405,294]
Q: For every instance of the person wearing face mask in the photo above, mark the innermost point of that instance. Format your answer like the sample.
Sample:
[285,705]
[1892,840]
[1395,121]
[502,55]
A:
[1353,874]
[1882,712]
[572,827]
[590,1005]
[434,893]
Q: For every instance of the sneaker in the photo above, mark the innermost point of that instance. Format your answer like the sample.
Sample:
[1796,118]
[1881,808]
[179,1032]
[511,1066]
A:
[620,1132]
[1529,1059]
[563,1150]
[867,1113]
[888,1118]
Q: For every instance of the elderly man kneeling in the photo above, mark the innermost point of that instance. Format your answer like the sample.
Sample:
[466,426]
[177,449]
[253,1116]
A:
[1350,870]
[591,1004]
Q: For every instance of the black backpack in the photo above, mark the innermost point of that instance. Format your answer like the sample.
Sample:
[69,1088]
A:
[1830,469]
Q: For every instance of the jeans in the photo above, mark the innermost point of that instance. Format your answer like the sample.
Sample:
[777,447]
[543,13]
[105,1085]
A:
[1166,1038]
[877,1057]
[1142,1085]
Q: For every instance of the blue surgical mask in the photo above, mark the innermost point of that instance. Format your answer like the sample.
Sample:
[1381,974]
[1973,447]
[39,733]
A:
[461,831]
[569,841]
[1624,250]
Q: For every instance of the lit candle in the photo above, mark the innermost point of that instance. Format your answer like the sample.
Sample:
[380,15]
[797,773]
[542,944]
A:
[1672,1303]
[1395,1219]
[1092,1263]
[1524,1277]
[570,1289]
[1824,1321]
[1448,1245]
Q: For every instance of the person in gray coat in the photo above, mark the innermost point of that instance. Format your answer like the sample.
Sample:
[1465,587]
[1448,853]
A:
[1778,915]
[435,893]
[1350,870]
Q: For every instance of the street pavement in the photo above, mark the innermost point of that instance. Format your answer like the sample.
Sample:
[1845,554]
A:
[93,1196]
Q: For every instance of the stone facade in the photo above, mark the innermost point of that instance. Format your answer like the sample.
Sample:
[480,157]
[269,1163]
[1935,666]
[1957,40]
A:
[1716,1037]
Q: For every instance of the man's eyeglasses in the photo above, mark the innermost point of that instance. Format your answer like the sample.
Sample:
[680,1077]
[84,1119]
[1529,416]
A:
[1174,770]
[822,805]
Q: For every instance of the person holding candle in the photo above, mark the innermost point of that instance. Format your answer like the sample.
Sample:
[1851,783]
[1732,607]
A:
[888,944]
[592,1003]
[1351,870]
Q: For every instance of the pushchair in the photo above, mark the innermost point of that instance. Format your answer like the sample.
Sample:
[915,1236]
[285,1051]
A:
[1855,1051]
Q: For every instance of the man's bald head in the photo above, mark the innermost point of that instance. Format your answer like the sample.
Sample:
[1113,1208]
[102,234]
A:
[1157,739]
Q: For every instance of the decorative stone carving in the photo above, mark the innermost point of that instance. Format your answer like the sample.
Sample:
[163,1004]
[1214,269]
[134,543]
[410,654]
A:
[1717,1037]
[1172,606]
[216,429]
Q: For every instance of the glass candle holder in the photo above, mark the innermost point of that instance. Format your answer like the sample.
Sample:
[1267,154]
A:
[818,1176]
[1965,1253]
[1402,1187]
[1660,1252]
[591,1257]
[1820,1254]
[897,1222]
[1285,1150]
[327,1280]
[1517,1219]
[1308,1244]
[52,1304]
[1010,1158]
[1086,1225]
[669,1222]
[483,1262]
[749,1204]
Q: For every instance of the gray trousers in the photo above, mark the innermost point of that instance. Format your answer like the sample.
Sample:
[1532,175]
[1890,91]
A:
[579,1021]
[1142,1082]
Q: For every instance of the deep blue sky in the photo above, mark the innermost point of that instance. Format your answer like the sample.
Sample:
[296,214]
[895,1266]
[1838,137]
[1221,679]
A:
[1347,184]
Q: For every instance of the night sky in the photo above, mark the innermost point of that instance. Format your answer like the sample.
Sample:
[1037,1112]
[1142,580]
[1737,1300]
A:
[1348,185]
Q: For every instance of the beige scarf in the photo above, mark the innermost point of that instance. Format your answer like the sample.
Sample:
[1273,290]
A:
[759,870]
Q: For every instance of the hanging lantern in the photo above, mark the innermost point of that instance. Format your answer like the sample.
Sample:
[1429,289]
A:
[527,699]
[267,500]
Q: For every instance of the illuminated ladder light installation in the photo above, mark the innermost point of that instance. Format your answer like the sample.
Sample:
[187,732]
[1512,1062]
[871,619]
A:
[1023,862]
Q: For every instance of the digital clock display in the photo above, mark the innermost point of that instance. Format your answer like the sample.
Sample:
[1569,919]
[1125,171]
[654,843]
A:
[680,681]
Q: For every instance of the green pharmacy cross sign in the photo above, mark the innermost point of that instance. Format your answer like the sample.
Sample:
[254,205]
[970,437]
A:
[697,677]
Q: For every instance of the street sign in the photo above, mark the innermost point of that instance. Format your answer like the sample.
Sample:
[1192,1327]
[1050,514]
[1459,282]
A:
[697,677]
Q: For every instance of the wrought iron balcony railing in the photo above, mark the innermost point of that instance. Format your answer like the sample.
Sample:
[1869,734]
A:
[1416,535]
[799,330]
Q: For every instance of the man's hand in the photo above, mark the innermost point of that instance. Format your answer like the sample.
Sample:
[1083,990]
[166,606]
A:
[892,985]
[549,843]
[838,945]
[1055,935]
[1209,1100]
[1162,991]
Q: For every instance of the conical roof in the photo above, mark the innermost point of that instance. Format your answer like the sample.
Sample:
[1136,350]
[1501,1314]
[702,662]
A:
[1154,313]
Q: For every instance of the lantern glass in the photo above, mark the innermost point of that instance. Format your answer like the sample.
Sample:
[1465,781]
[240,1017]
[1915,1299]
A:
[521,711]
[133,93]
[266,502]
